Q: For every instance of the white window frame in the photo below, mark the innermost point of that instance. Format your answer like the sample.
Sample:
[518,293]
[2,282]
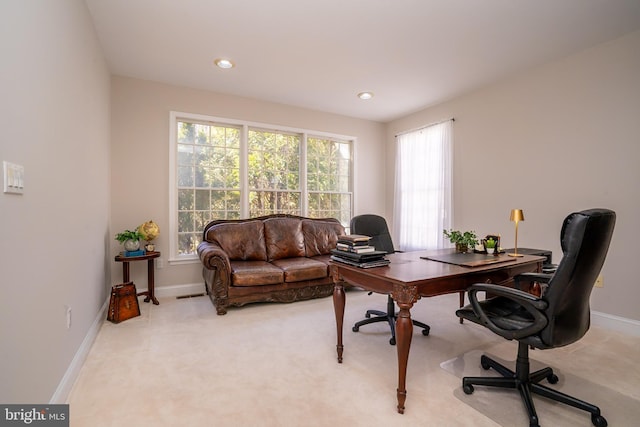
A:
[175,116]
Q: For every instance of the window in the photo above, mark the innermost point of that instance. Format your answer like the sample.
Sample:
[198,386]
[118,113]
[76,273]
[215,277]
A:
[424,169]
[329,169]
[226,169]
[274,173]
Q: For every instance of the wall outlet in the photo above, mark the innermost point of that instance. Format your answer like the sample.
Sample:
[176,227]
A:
[599,282]
[159,263]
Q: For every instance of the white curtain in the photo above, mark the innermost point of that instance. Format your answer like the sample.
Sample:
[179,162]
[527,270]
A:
[423,187]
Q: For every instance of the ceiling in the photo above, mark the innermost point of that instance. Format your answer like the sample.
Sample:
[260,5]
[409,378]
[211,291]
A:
[320,54]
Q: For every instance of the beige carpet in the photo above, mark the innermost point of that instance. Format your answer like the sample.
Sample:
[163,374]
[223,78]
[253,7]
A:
[179,364]
[506,408]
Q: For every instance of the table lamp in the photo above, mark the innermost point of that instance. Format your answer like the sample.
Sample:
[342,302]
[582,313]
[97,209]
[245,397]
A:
[516,216]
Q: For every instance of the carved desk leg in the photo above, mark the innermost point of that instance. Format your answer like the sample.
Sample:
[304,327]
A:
[338,307]
[404,296]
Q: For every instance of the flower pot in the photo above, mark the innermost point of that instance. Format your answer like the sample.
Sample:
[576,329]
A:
[131,245]
[491,250]
[462,248]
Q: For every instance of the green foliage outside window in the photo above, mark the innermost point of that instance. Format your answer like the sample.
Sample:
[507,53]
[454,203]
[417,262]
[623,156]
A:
[209,177]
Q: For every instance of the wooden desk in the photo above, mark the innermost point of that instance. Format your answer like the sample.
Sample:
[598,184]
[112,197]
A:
[407,279]
[149,256]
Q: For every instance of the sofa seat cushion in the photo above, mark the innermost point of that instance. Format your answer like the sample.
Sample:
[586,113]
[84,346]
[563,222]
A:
[299,269]
[255,273]
[325,259]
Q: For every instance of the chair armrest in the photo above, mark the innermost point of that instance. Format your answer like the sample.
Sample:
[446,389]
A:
[541,278]
[532,304]
[534,277]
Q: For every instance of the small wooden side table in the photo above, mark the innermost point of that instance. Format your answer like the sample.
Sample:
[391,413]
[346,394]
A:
[149,256]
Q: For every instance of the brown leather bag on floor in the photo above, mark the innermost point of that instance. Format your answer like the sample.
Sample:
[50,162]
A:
[123,304]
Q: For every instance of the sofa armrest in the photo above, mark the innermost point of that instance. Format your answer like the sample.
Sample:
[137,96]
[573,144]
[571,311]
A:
[216,272]
[213,257]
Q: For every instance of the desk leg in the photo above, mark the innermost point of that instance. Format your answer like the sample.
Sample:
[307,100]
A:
[404,334]
[338,307]
[150,284]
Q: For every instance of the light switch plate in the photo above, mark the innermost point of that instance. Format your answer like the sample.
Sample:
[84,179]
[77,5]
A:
[13,178]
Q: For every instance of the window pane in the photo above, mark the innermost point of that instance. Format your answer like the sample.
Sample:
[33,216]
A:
[185,221]
[272,202]
[185,199]
[274,160]
[188,243]
[203,200]
[185,176]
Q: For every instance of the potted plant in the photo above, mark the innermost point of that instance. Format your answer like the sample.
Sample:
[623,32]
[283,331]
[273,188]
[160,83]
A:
[462,240]
[490,245]
[130,239]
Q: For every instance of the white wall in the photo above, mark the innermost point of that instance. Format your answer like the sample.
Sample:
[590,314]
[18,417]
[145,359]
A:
[140,158]
[556,139]
[54,116]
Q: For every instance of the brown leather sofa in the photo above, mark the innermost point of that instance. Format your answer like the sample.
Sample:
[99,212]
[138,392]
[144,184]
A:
[275,258]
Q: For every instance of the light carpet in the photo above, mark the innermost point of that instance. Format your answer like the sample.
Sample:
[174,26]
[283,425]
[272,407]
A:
[179,364]
[506,408]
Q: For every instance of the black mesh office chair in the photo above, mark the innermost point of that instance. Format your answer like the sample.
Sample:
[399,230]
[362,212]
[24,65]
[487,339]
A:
[375,227]
[557,318]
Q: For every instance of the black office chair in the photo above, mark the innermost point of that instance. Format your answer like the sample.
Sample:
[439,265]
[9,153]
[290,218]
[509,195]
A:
[375,227]
[557,318]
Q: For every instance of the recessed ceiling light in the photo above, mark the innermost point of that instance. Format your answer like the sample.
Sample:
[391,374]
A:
[365,95]
[224,63]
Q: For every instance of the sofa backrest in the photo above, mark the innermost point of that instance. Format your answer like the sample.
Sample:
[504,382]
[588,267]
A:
[274,237]
[283,237]
[320,236]
[241,240]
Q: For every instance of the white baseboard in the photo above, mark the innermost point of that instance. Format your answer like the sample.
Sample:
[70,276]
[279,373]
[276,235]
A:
[61,395]
[615,323]
[178,290]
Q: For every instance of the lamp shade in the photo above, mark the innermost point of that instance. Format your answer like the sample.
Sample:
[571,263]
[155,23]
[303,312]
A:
[516,215]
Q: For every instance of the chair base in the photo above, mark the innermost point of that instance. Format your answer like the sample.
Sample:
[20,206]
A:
[390,317]
[527,384]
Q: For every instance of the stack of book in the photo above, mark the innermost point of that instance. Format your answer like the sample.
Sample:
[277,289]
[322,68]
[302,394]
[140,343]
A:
[354,249]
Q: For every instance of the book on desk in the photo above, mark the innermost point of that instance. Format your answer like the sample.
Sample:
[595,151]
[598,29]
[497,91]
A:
[355,250]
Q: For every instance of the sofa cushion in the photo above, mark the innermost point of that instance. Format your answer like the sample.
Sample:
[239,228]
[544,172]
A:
[320,236]
[241,241]
[325,259]
[283,238]
[299,269]
[255,273]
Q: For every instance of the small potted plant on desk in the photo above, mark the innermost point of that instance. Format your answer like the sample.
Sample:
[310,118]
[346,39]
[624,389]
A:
[490,245]
[462,240]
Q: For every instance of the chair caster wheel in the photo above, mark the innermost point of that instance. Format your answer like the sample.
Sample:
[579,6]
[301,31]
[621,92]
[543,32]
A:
[368,315]
[425,332]
[392,341]
[553,378]
[598,421]
[355,329]
[468,389]
[484,362]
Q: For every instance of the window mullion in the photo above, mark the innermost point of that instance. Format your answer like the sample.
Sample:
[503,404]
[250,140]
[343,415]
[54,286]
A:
[244,172]
[304,192]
